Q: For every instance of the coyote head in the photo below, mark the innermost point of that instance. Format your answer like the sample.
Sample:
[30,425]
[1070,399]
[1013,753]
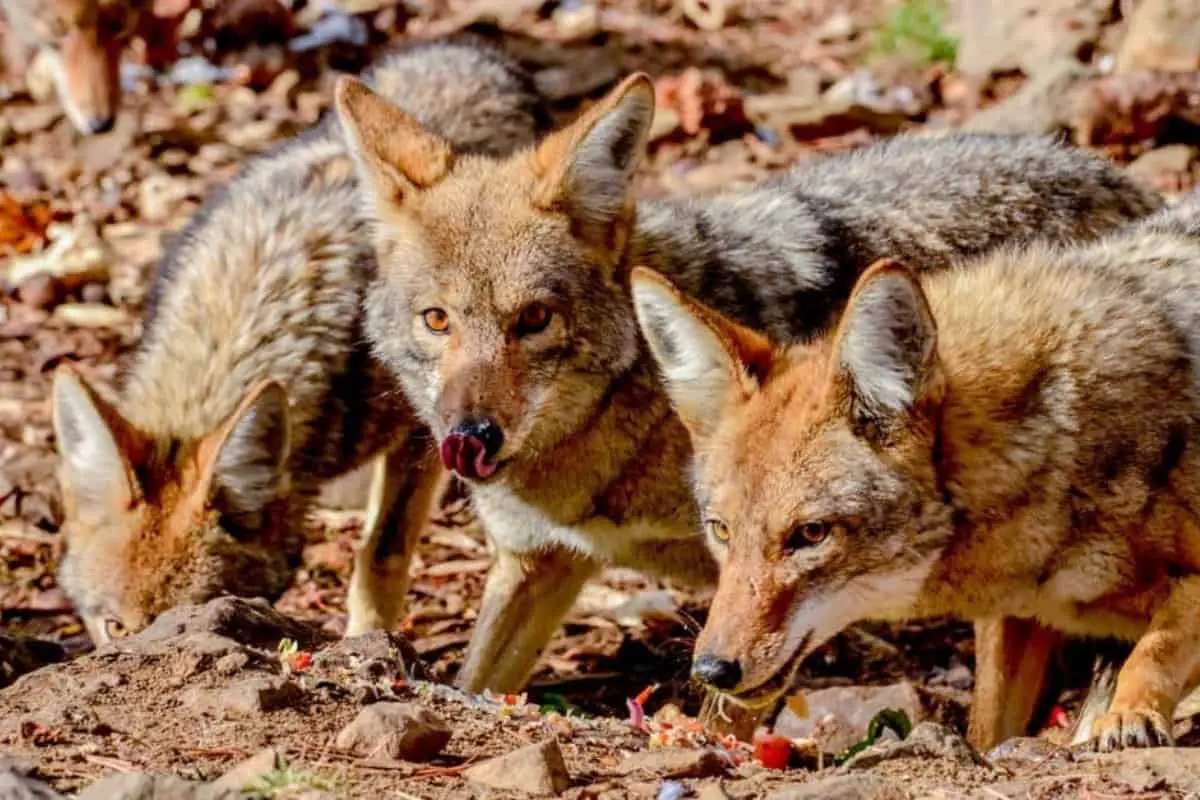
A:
[814,470]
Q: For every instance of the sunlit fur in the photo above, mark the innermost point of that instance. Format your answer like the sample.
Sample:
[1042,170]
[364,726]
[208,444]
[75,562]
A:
[1016,438]
[593,462]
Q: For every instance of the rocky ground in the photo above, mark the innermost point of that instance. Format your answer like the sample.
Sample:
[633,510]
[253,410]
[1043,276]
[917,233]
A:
[744,89]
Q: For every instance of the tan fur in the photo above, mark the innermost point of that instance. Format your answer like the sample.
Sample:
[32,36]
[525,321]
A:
[1015,439]
[592,467]
[264,289]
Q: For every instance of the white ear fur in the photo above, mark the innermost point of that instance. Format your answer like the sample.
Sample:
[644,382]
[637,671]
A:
[698,370]
[887,344]
[92,461]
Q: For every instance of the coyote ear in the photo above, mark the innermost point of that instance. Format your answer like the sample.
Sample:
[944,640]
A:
[94,443]
[249,468]
[886,344]
[395,154]
[586,169]
[706,360]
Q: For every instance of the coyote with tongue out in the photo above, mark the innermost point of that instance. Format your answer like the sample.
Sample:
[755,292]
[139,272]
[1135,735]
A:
[502,305]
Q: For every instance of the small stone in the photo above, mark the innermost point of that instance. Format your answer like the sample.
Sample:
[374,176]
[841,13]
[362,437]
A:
[851,709]
[1040,106]
[397,731]
[712,791]
[1161,35]
[1153,165]
[140,786]
[845,787]
[231,663]
[536,769]
[251,770]
[255,695]
[1026,750]
[94,293]
[675,762]
[927,740]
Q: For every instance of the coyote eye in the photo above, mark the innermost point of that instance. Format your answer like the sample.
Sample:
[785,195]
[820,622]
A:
[115,629]
[717,529]
[809,534]
[437,320]
[534,319]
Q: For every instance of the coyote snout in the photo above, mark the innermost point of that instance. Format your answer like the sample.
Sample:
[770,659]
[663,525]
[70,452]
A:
[472,446]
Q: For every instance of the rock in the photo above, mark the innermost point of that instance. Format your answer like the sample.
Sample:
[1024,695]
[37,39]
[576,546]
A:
[1038,106]
[377,656]
[851,708]
[397,731]
[1161,769]
[927,740]
[1023,35]
[536,769]
[1026,751]
[248,621]
[141,786]
[21,655]
[1163,163]
[254,695]
[18,785]
[160,195]
[838,27]
[712,791]
[844,787]
[1162,35]
[249,771]
[675,762]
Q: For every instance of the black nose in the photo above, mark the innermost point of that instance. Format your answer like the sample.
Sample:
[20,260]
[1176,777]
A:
[100,124]
[717,672]
[485,430]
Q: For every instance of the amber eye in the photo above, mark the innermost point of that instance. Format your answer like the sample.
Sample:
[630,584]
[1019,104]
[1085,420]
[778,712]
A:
[534,319]
[809,534]
[437,320]
[115,629]
[717,529]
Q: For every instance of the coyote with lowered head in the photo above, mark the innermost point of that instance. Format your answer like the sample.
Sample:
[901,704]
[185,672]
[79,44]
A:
[1014,441]
[252,384]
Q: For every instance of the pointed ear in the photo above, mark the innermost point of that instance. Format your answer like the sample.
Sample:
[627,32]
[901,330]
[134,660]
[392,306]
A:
[886,344]
[586,169]
[249,467]
[395,154]
[705,359]
[94,443]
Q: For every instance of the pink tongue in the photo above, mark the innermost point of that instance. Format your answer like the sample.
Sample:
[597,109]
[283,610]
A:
[483,466]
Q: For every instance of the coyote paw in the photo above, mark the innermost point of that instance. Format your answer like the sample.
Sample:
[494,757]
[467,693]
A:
[1119,730]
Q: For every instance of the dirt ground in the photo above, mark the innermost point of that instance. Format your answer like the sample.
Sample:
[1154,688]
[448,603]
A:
[745,89]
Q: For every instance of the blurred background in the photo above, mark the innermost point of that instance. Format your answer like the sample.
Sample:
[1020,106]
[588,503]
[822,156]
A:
[744,88]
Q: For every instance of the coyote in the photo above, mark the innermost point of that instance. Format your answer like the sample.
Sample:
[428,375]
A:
[84,40]
[253,384]
[1014,441]
[502,305]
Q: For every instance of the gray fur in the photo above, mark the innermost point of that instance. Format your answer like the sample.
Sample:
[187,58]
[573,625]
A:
[783,256]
